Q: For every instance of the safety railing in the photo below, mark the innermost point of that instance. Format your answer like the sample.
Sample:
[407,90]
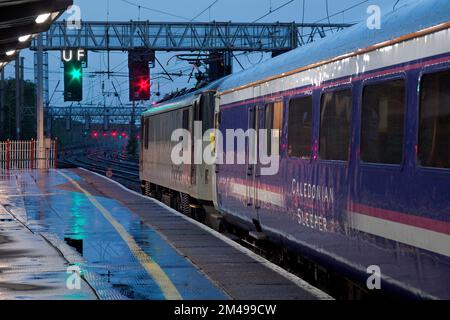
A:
[28,155]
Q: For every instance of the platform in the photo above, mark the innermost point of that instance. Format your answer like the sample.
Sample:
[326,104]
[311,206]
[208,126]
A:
[31,267]
[129,246]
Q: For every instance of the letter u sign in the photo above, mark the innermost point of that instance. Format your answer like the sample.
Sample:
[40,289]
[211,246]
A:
[67,55]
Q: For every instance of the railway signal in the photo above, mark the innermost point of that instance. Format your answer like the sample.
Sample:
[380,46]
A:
[139,81]
[73,81]
[74,62]
[139,62]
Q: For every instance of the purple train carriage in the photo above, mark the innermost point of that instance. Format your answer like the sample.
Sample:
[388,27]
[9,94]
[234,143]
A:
[364,145]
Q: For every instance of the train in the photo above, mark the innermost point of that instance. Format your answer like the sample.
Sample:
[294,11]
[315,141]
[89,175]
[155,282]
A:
[360,125]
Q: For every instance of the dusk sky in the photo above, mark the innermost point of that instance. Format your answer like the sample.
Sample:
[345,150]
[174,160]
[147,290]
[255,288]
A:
[182,10]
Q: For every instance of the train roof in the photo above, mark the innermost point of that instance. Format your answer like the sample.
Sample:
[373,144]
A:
[407,18]
[182,101]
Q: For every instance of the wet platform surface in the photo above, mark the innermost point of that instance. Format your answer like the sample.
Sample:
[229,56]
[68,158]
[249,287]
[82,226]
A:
[132,247]
[30,266]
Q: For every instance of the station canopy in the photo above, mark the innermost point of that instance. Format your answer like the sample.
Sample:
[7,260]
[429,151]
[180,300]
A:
[22,20]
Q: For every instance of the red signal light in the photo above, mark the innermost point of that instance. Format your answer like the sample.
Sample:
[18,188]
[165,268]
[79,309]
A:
[95,134]
[144,85]
[139,81]
[114,134]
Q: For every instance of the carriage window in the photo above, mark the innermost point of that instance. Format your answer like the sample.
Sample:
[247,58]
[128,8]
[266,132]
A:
[383,114]
[300,127]
[147,131]
[434,132]
[274,124]
[335,120]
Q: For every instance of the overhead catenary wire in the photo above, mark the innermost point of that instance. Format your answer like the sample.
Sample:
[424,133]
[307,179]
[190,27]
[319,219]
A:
[328,14]
[155,10]
[206,9]
[395,5]
[303,11]
[274,10]
[343,11]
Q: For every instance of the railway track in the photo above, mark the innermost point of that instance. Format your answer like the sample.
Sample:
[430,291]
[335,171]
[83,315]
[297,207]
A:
[102,162]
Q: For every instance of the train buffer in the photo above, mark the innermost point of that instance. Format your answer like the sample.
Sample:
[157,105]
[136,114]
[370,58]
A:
[119,244]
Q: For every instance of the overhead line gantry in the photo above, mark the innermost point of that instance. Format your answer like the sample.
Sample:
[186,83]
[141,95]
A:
[185,36]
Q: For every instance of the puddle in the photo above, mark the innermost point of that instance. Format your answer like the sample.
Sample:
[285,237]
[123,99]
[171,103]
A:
[77,244]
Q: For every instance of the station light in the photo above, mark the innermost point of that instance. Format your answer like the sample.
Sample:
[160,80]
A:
[25,38]
[10,52]
[42,18]
[73,81]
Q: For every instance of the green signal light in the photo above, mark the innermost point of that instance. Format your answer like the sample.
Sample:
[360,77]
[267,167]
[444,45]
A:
[76,74]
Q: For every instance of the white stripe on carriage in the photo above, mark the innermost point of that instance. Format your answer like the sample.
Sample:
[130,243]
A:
[417,237]
[403,52]
[262,195]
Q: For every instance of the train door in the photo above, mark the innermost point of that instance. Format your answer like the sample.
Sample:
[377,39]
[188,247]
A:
[195,118]
[187,124]
[332,154]
[270,123]
[194,136]
[254,123]
[216,167]
[380,176]
[251,155]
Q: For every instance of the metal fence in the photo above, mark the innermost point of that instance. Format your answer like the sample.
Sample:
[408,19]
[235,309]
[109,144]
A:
[28,155]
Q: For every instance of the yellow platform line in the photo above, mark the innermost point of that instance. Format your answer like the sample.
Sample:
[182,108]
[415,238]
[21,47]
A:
[153,269]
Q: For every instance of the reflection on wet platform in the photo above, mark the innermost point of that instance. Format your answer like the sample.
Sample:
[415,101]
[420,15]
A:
[119,251]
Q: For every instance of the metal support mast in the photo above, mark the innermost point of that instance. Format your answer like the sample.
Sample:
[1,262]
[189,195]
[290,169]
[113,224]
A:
[18,133]
[2,104]
[133,121]
[40,101]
